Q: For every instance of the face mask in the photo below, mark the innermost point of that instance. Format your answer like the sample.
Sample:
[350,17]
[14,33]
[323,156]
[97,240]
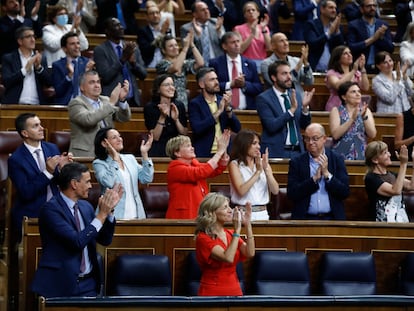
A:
[62,20]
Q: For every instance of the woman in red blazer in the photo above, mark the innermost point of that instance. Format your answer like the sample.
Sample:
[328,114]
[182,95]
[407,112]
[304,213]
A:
[186,176]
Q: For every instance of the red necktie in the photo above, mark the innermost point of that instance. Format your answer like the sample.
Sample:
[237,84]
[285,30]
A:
[235,96]
[77,221]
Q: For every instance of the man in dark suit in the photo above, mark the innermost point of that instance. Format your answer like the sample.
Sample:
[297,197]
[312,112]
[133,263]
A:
[282,114]
[404,10]
[318,182]
[210,114]
[369,35]
[151,54]
[323,34]
[24,71]
[12,20]
[117,60]
[33,169]
[237,73]
[67,71]
[226,9]
[69,230]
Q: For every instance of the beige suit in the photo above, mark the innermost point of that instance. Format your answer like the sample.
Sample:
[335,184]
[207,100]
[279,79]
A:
[85,121]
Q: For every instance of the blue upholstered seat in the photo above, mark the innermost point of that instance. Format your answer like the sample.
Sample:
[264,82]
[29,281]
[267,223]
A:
[142,275]
[346,273]
[281,273]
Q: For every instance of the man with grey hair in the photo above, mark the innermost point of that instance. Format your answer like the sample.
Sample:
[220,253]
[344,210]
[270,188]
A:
[318,182]
[91,111]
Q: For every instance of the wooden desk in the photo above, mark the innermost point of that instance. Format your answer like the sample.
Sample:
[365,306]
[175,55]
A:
[389,243]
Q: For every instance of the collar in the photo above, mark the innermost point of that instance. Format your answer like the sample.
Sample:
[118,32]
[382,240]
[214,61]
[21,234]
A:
[31,148]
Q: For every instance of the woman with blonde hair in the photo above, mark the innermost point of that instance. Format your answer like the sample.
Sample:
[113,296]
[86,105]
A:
[218,249]
[384,188]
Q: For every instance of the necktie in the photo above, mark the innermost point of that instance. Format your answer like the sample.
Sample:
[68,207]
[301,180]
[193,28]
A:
[75,80]
[205,44]
[120,14]
[291,123]
[40,163]
[235,95]
[125,72]
[78,227]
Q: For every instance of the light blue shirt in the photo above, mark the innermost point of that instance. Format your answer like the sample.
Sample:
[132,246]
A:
[319,201]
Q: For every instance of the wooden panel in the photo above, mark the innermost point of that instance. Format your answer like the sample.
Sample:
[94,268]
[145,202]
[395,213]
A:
[175,239]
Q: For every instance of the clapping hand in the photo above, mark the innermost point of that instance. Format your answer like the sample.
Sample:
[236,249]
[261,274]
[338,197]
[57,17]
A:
[146,145]
[402,155]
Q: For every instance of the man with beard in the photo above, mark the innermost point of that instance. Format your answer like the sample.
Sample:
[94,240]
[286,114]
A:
[323,34]
[117,60]
[282,114]
[210,114]
[369,35]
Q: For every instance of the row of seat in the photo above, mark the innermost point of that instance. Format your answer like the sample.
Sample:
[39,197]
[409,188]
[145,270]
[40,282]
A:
[275,273]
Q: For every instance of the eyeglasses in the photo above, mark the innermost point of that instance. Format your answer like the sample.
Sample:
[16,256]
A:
[166,84]
[29,36]
[313,139]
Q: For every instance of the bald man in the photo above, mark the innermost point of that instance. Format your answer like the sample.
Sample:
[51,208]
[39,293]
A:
[301,72]
[318,182]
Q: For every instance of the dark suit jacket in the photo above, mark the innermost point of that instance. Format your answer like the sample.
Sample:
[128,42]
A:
[110,69]
[303,11]
[357,34]
[203,124]
[56,275]
[253,85]
[315,37]
[301,185]
[13,78]
[63,88]
[403,17]
[8,30]
[145,39]
[30,183]
[230,15]
[274,123]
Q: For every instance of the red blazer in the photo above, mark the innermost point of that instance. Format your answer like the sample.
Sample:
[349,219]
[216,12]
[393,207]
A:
[187,187]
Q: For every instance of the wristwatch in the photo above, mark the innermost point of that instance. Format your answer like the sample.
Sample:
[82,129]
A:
[329,177]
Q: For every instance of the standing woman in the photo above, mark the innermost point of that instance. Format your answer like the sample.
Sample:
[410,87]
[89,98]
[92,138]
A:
[351,123]
[407,49]
[251,176]
[165,117]
[341,68]
[58,17]
[254,33]
[218,249]
[112,167]
[384,188]
[393,88]
[174,62]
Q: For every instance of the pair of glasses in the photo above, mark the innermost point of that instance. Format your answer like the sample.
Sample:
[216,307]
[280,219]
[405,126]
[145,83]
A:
[167,84]
[313,139]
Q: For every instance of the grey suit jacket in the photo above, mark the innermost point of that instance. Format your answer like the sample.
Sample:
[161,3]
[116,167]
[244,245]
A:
[214,37]
[85,122]
[110,69]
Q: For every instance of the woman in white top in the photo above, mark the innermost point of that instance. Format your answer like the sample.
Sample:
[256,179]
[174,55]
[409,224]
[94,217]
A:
[251,176]
[112,167]
[407,49]
[393,88]
[59,26]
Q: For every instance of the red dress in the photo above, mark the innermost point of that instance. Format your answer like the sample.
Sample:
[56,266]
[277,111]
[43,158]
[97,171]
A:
[218,278]
[187,187]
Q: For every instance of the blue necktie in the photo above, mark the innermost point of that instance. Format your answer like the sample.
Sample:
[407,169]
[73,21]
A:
[75,80]
[205,44]
[125,72]
[291,123]
[120,14]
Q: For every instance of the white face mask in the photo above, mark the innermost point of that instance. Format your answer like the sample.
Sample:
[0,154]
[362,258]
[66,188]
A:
[62,20]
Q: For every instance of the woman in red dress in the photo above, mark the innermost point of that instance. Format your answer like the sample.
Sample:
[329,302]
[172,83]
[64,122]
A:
[218,249]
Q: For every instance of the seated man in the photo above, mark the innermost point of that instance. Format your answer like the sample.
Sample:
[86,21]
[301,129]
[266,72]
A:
[210,114]
[318,182]
[67,70]
[24,71]
[237,73]
[91,111]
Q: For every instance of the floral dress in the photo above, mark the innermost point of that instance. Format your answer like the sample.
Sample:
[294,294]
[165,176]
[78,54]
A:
[351,146]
